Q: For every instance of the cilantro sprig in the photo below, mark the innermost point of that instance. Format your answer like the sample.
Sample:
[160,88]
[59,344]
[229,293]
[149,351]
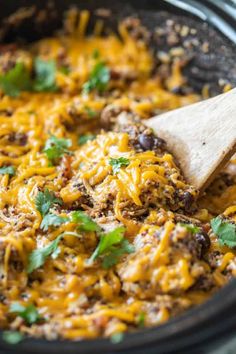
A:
[45,200]
[91,113]
[52,220]
[99,76]
[12,337]
[96,54]
[7,170]
[19,78]
[83,139]
[15,80]
[55,148]
[190,227]
[38,257]
[118,163]
[65,70]
[111,247]
[117,337]
[45,75]
[29,313]
[141,319]
[85,223]
[225,231]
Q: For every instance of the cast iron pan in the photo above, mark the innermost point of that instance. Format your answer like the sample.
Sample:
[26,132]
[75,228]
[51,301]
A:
[211,51]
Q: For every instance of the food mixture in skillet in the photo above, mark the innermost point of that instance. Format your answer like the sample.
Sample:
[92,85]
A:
[99,231]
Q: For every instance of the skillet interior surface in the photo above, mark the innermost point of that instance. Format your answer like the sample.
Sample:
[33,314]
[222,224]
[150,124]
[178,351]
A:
[211,61]
[211,56]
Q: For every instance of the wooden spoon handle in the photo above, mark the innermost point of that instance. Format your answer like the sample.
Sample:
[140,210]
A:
[201,136]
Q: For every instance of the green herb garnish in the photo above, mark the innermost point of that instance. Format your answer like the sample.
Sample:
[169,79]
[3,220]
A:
[91,113]
[15,80]
[19,78]
[52,220]
[45,75]
[225,230]
[98,78]
[83,139]
[118,163]
[141,320]
[38,257]
[190,227]
[7,170]
[12,337]
[45,200]
[29,313]
[64,70]
[84,221]
[96,54]
[117,337]
[55,148]
[111,247]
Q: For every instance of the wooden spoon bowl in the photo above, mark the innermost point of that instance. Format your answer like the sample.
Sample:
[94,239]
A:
[201,136]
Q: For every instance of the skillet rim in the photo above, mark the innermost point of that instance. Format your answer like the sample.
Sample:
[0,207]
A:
[183,324]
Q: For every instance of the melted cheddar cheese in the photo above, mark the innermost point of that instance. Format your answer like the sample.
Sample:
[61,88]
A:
[168,272]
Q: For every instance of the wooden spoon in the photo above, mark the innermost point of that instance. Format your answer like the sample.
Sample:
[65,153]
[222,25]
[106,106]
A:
[201,136]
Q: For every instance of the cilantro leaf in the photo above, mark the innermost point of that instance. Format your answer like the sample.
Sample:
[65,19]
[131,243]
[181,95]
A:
[225,230]
[91,113]
[64,70]
[7,170]
[45,75]
[141,319]
[190,227]
[55,148]
[12,337]
[98,78]
[85,222]
[29,313]
[108,240]
[118,163]
[112,257]
[19,78]
[45,200]
[83,139]
[111,246]
[96,54]
[52,220]
[117,337]
[15,80]
[38,257]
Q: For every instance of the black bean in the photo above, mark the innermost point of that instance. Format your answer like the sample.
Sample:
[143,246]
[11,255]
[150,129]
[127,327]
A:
[7,112]
[188,200]
[2,298]
[178,90]
[146,141]
[204,240]
[18,138]
[150,142]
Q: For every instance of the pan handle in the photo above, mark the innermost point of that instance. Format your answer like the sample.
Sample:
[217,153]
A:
[207,13]
[227,6]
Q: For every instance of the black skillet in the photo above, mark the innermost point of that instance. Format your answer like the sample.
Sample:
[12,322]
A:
[210,325]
